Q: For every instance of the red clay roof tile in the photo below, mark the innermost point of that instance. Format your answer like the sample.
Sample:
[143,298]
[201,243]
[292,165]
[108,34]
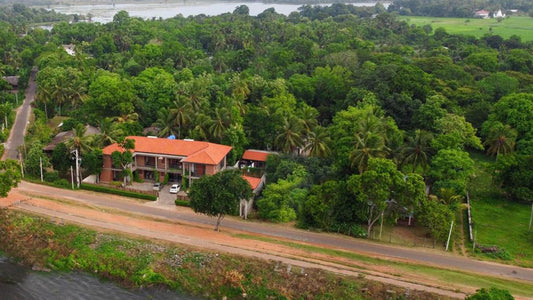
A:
[253,181]
[256,155]
[193,151]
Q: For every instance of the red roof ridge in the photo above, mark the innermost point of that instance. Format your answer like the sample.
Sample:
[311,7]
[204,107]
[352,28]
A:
[253,181]
[205,152]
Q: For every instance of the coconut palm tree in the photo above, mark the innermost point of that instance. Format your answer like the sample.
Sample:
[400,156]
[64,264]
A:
[180,115]
[108,134]
[201,130]
[367,145]
[166,123]
[290,138]
[500,140]
[318,142]
[79,141]
[308,115]
[221,122]
[44,95]
[417,149]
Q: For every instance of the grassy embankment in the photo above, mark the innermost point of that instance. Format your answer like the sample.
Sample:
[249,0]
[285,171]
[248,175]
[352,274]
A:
[497,220]
[136,263]
[445,276]
[514,25]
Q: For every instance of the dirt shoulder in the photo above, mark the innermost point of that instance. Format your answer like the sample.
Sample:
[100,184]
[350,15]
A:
[230,241]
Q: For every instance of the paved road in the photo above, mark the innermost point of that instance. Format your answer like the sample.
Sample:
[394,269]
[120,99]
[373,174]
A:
[184,214]
[16,137]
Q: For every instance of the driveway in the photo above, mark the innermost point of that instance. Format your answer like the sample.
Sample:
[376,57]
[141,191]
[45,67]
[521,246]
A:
[16,137]
[422,256]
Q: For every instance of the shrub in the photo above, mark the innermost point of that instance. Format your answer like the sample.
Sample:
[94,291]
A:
[103,189]
[491,294]
[51,176]
[62,183]
[179,202]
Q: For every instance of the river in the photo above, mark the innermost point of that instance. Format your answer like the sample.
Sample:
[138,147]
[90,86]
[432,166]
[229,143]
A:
[104,13]
[20,283]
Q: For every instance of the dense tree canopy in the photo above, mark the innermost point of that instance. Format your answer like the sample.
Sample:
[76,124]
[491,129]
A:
[353,98]
[219,194]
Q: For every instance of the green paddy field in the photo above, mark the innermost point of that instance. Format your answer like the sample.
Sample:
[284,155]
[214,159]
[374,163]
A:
[514,25]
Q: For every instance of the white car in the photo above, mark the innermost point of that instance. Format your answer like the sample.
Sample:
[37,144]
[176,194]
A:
[175,188]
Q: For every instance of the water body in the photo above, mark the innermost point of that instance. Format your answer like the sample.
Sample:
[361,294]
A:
[104,13]
[20,283]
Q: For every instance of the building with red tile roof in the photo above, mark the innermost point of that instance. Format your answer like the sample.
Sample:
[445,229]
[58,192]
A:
[178,158]
[253,181]
[255,158]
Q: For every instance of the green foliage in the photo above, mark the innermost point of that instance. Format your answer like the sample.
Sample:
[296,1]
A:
[122,159]
[491,294]
[451,169]
[182,203]
[435,216]
[515,174]
[33,161]
[61,158]
[381,187]
[329,207]
[110,95]
[10,176]
[219,194]
[515,110]
[281,199]
[125,193]
[455,133]
[93,161]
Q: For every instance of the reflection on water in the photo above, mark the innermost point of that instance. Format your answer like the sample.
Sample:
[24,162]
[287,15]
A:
[104,13]
[17,282]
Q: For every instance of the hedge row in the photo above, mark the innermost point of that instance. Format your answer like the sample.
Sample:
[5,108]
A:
[182,202]
[103,189]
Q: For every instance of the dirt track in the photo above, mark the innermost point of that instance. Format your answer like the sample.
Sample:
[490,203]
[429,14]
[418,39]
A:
[204,237]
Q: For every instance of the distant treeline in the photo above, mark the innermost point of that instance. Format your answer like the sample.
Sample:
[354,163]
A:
[456,8]
[19,16]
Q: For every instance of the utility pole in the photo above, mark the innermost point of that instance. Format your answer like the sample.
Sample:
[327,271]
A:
[77,170]
[474,245]
[41,167]
[72,177]
[449,236]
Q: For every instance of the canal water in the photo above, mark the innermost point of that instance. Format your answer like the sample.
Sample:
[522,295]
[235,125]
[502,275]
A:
[104,13]
[20,283]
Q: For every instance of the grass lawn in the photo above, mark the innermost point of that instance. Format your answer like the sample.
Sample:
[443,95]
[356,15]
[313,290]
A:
[515,25]
[498,221]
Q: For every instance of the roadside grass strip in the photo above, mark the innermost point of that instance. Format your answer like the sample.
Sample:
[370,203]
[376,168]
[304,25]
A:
[442,275]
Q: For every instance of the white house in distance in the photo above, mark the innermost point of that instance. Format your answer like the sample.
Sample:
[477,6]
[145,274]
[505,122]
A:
[484,14]
[499,14]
